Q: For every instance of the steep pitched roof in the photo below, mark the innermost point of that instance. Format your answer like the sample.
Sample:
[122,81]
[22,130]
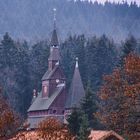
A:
[44,103]
[46,75]
[76,92]
[54,39]
[50,73]
[102,135]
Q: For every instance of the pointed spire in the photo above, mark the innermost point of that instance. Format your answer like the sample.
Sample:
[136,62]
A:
[76,92]
[54,39]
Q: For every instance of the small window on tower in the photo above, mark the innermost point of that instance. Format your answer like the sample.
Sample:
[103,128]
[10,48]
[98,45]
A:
[45,89]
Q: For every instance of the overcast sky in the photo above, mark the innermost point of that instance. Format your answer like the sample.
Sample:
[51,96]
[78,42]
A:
[138,1]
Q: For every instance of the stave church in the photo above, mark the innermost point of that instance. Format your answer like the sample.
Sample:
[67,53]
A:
[55,100]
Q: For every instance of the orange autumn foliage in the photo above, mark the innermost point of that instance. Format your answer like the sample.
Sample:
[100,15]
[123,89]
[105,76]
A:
[52,129]
[119,108]
[8,119]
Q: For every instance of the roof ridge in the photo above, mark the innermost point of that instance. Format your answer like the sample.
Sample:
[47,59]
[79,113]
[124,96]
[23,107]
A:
[49,73]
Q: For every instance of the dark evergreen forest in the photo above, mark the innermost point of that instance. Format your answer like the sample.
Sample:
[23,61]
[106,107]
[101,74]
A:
[22,65]
[32,19]
[105,38]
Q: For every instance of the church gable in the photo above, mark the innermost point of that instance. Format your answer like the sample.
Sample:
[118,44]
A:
[58,74]
[51,79]
[54,74]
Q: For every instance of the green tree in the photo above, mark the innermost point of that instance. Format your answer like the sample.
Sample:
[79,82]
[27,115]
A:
[15,72]
[74,121]
[8,52]
[129,46]
[101,58]
[84,131]
[89,107]
[8,69]
[38,63]
[22,76]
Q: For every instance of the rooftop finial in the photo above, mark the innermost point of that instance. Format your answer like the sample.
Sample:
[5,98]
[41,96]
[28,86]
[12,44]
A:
[76,62]
[54,18]
[34,93]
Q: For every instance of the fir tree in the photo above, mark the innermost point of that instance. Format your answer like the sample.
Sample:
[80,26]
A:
[38,63]
[89,107]
[84,131]
[8,52]
[128,47]
[74,121]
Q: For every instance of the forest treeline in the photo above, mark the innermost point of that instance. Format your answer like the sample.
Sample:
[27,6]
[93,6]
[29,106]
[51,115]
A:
[34,18]
[22,65]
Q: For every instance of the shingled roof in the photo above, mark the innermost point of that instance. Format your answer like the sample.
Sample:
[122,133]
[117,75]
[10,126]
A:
[54,39]
[103,135]
[50,73]
[76,92]
[44,103]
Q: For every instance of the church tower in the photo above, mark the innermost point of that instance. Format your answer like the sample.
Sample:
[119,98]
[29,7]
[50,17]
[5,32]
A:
[54,75]
[54,49]
[51,100]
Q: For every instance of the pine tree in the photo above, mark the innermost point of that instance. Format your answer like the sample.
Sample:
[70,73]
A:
[15,72]
[22,76]
[9,52]
[38,63]
[84,131]
[9,70]
[74,121]
[89,107]
[128,47]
